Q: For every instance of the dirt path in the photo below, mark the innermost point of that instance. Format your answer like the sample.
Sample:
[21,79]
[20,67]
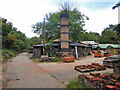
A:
[22,73]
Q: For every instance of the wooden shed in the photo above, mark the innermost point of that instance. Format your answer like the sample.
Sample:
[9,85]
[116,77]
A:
[38,50]
[75,49]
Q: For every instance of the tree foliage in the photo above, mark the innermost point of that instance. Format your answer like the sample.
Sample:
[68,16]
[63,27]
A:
[76,24]
[109,35]
[91,36]
[13,39]
[35,40]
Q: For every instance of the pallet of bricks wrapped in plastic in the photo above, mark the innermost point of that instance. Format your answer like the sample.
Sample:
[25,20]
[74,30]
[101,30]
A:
[91,67]
[97,80]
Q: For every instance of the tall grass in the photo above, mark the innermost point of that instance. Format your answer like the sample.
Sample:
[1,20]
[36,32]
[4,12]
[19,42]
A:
[75,84]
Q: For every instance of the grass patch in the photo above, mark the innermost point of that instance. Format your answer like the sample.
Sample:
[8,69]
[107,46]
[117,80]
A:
[41,60]
[77,59]
[115,53]
[75,84]
[56,60]
[3,70]
[107,72]
[35,60]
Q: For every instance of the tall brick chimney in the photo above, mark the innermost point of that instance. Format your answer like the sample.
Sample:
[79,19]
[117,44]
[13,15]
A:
[64,20]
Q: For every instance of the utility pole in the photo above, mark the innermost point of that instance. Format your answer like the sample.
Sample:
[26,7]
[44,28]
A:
[44,37]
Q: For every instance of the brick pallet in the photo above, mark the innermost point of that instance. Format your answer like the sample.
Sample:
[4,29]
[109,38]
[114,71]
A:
[96,80]
[91,67]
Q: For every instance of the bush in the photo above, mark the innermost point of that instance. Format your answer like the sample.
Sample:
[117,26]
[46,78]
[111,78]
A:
[7,54]
[74,84]
[41,60]
[115,53]
[56,60]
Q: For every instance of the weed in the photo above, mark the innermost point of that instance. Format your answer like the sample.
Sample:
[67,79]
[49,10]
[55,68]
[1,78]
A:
[8,54]
[107,72]
[40,60]
[75,84]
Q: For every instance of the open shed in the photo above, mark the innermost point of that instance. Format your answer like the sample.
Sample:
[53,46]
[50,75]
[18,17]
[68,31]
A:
[38,50]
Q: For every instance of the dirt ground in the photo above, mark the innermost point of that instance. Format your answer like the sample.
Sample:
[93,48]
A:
[23,73]
[64,72]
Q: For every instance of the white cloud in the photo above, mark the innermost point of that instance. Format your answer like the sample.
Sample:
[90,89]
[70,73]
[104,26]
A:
[100,19]
[24,13]
[95,0]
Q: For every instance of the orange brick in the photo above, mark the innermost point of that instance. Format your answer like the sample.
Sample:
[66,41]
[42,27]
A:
[68,59]
[64,45]
[65,29]
[65,37]
[64,21]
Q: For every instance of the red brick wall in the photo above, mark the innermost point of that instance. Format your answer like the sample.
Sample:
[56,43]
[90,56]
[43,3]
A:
[64,29]
[64,37]
[64,45]
[64,21]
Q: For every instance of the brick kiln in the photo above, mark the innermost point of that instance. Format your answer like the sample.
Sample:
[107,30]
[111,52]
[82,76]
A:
[64,38]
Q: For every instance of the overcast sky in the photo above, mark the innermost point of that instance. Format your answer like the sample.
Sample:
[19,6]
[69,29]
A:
[24,13]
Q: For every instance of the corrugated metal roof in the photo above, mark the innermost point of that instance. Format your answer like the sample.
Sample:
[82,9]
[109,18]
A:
[104,46]
[58,40]
[88,42]
[94,46]
[72,44]
[115,46]
[55,44]
[40,45]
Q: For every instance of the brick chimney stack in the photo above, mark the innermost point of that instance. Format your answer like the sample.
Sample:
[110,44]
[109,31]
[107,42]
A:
[64,20]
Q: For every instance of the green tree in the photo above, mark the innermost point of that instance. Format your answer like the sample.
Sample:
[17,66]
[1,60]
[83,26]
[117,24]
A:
[76,24]
[13,39]
[109,35]
[91,36]
[35,40]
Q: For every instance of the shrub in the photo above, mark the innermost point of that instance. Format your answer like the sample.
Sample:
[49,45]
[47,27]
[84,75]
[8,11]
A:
[74,84]
[115,53]
[56,60]
[7,54]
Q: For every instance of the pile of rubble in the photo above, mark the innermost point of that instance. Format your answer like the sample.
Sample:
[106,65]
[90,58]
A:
[91,67]
[96,80]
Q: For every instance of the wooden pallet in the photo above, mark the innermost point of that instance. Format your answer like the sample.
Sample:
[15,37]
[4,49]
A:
[84,70]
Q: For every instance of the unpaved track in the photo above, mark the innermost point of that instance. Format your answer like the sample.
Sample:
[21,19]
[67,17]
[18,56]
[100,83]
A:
[22,73]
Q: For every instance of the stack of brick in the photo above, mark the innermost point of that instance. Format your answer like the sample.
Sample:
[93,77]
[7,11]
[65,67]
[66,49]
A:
[91,67]
[68,59]
[110,87]
[98,55]
[96,80]
[94,51]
